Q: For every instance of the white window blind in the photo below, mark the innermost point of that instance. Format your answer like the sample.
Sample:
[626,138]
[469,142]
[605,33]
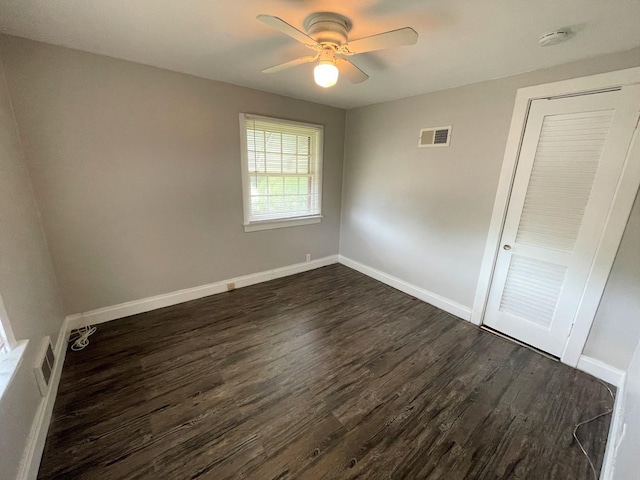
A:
[282,169]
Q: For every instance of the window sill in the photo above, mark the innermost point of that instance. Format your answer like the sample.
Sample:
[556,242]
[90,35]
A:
[285,222]
[9,363]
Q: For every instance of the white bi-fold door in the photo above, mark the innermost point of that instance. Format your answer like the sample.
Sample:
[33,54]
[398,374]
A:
[571,160]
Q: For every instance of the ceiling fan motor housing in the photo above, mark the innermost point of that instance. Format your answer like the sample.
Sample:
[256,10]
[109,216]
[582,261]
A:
[328,27]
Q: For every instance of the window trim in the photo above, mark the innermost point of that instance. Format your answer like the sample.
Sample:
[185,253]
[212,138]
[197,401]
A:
[282,223]
[6,332]
[9,364]
[10,359]
[253,226]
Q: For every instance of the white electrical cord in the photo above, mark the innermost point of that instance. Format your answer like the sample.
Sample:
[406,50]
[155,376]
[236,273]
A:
[575,430]
[80,337]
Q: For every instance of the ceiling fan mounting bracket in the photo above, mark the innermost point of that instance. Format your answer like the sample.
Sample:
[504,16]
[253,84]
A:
[328,28]
[327,54]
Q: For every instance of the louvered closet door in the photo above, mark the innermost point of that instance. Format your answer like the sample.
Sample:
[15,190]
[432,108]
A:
[572,156]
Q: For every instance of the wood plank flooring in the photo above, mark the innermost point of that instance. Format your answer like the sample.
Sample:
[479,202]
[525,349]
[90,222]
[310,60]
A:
[323,375]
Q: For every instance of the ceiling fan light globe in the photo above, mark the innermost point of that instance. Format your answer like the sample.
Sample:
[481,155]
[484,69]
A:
[325,74]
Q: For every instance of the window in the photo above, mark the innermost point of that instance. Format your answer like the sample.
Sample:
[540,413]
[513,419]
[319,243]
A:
[11,352]
[281,172]
[6,337]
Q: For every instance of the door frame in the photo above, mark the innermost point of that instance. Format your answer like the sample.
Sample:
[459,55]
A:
[618,215]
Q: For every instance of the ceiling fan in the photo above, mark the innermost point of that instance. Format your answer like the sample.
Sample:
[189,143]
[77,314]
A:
[327,36]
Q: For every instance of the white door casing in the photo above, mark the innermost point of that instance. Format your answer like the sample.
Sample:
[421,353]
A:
[571,159]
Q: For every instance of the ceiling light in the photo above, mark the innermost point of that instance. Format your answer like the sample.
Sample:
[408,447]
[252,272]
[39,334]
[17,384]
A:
[326,74]
[327,34]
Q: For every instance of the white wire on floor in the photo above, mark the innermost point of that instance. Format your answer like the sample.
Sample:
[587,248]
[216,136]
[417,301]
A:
[80,337]
[584,422]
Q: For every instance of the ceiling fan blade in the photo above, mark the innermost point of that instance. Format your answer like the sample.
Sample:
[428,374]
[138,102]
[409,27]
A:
[284,27]
[350,71]
[292,63]
[394,38]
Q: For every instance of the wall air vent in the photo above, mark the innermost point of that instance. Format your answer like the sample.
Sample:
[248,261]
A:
[43,369]
[435,137]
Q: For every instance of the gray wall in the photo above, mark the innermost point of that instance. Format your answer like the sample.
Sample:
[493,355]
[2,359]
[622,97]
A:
[616,328]
[137,174]
[423,214]
[27,286]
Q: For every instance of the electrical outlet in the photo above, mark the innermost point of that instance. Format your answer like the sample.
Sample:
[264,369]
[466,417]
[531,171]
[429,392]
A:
[231,286]
[308,257]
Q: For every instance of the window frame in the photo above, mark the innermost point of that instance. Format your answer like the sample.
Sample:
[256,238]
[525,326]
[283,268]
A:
[11,357]
[257,225]
[7,339]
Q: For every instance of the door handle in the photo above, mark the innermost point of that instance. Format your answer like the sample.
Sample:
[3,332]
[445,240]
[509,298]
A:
[507,247]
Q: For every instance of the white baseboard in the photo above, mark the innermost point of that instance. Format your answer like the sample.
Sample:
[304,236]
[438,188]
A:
[601,370]
[122,310]
[40,426]
[425,295]
[616,377]
[615,433]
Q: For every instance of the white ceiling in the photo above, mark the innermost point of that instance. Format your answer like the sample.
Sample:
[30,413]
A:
[461,41]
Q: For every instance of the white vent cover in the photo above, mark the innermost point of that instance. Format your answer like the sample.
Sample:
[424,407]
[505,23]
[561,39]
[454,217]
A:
[435,137]
[43,369]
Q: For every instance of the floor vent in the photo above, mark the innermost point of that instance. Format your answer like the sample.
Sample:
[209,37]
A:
[43,369]
[435,137]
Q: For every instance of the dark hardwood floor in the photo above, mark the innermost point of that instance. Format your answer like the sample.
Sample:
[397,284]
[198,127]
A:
[323,375]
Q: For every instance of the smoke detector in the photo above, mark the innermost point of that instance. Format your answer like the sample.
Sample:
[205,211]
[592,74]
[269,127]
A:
[553,38]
